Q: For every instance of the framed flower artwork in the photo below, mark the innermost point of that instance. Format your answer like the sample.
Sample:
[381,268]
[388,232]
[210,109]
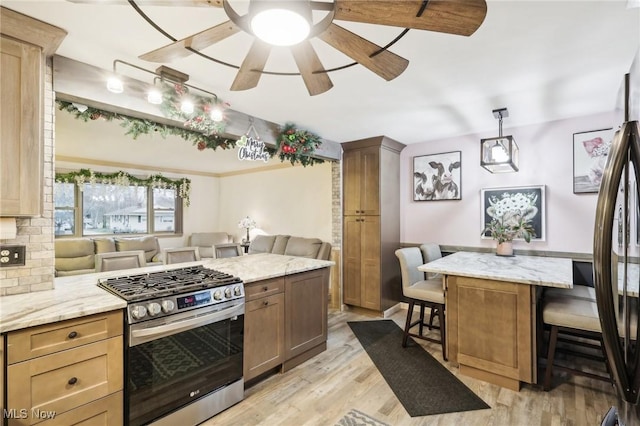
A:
[504,203]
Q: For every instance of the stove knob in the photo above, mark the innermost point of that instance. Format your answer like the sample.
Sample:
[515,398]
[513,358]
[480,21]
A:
[167,306]
[217,295]
[227,292]
[138,312]
[153,308]
[237,291]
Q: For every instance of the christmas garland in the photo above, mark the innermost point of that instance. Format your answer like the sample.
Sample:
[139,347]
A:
[200,119]
[181,186]
[138,126]
[297,146]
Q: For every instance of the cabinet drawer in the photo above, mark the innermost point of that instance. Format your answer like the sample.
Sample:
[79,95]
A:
[264,288]
[106,411]
[67,379]
[47,339]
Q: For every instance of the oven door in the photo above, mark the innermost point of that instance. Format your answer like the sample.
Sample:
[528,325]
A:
[178,359]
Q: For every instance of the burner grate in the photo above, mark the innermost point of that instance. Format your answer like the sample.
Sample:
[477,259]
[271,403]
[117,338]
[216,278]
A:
[164,283]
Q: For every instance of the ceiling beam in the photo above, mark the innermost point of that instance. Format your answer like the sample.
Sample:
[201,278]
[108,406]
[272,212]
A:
[75,81]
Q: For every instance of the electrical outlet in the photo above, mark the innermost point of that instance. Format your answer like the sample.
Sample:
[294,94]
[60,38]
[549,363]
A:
[12,255]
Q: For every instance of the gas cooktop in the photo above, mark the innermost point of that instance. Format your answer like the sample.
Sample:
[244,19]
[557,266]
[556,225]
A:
[165,283]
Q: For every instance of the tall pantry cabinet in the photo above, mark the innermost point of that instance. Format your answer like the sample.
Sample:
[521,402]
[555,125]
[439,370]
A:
[371,223]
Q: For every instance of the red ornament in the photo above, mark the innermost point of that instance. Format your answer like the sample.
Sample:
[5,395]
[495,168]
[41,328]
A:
[201,146]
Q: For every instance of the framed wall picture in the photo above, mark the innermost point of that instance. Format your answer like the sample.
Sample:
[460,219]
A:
[437,177]
[590,150]
[503,203]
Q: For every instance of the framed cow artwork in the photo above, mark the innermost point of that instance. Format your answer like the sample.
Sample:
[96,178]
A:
[437,177]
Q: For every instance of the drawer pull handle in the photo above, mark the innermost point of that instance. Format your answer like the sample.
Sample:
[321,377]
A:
[73,381]
[265,303]
[265,288]
[73,335]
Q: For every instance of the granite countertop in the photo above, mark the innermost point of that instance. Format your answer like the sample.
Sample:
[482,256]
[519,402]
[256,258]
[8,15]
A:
[77,296]
[534,270]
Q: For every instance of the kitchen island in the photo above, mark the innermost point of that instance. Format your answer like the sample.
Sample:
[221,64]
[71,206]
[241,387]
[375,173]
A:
[491,311]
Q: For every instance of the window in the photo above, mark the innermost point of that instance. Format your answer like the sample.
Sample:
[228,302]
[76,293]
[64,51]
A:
[65,208]
[108,209]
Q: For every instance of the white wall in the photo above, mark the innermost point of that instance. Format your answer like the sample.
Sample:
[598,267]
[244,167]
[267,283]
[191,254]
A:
[293,201]
[546,158]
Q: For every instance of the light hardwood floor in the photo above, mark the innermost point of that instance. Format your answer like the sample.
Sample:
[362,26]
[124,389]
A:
[322,390]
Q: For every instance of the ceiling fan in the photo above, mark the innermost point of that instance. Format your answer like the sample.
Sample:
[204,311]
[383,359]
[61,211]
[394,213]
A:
[460,17]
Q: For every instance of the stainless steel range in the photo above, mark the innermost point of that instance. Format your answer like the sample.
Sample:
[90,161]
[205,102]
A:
[183,362]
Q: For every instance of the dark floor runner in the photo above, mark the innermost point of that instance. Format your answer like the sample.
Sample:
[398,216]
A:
[423,385]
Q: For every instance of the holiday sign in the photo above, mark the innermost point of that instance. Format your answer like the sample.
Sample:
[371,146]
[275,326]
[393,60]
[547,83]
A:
[252,149]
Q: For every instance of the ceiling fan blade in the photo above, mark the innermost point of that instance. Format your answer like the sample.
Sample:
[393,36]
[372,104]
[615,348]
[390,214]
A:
[309,64]
[462,17]
[178,49]
[181,3]
[386,64]
[251,69]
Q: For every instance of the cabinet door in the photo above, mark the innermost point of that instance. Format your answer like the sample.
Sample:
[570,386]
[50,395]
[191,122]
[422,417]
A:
[105,411]
[361,177]
[21,130]
[474,309]
[263,335]
[370,181]
[351,179]
[370,262]
[351,260]
[306,299]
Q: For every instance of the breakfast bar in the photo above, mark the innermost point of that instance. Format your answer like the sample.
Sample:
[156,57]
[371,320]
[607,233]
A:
[491,311]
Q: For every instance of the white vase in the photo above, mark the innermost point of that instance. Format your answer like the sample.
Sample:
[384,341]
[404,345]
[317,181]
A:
[505,249]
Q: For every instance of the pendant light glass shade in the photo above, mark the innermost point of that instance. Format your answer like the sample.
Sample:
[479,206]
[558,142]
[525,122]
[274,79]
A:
[501,154]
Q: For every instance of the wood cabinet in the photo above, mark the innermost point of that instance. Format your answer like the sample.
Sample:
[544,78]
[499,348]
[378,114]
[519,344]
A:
[285,321]
[490,330]
[24,45]
[263,327]
[371,223]
[66,372]
[306,304]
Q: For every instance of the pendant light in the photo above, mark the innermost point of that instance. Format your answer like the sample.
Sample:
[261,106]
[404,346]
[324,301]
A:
[499,155]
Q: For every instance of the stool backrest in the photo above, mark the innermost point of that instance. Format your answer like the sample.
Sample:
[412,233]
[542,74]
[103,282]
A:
[410,258]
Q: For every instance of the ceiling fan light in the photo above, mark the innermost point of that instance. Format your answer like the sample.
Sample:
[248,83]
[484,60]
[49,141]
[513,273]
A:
[280,27]
[114,85]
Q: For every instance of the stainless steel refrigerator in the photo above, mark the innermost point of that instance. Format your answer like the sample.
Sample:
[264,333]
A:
[616,245]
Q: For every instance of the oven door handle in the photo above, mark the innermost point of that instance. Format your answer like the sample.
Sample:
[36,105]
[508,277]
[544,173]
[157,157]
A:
[144,335]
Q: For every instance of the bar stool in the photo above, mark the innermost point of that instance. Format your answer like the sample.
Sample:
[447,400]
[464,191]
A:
[424,292]
[574,321]
[180,254]
[114,261]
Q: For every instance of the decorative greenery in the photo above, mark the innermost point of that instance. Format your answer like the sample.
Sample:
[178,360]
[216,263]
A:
[297,145]
[200,119]
[509,226]
[137,126]
[181,186]
[292,144]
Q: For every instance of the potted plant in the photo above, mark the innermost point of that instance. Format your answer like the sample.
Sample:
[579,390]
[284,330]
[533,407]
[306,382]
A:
[509,226]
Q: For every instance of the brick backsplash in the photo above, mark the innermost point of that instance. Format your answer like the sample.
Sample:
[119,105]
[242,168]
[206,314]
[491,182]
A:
[36,233]
[336,206]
